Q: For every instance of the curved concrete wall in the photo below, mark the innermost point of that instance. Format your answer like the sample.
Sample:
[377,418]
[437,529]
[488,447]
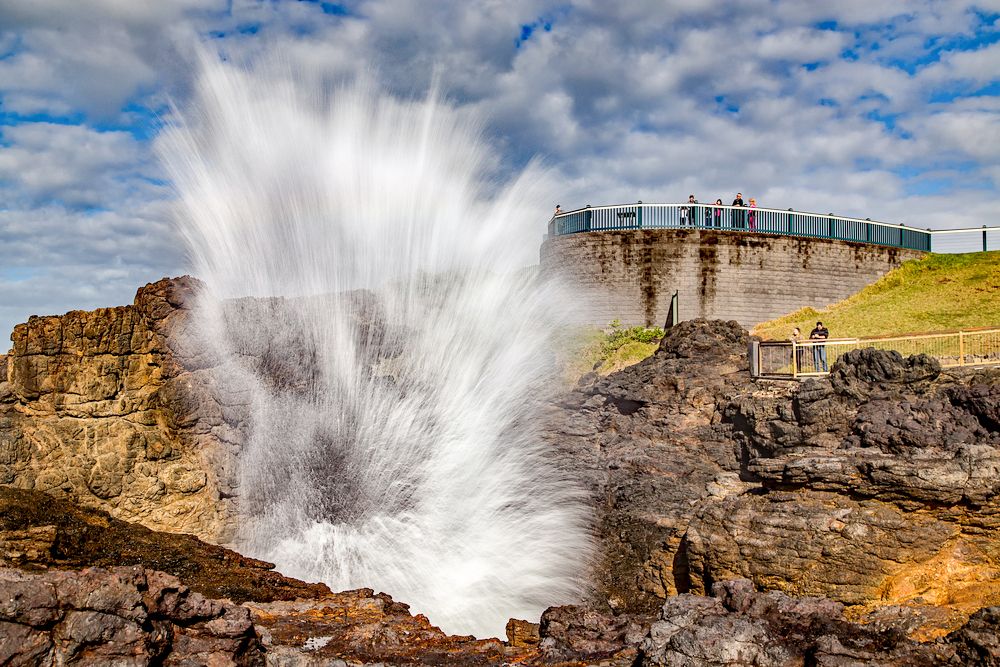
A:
[750,278]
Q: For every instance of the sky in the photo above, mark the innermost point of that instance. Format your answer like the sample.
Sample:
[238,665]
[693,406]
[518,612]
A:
[888,109]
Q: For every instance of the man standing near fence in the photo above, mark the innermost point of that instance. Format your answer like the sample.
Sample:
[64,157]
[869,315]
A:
[819,351]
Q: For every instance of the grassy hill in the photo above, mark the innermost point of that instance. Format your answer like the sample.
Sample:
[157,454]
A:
[936,293]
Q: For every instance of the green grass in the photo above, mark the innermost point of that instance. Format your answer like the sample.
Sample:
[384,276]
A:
[936,293]
[586,349]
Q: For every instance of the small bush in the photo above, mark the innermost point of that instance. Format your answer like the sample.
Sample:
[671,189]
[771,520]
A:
[620,337]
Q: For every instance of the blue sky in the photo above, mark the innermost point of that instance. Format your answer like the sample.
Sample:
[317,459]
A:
[871,108]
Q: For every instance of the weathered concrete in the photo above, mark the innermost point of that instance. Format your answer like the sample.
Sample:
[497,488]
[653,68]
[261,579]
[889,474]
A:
[750,278]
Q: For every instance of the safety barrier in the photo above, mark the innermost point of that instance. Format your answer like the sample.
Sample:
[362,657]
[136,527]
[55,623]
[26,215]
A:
[770,221]
[812,358]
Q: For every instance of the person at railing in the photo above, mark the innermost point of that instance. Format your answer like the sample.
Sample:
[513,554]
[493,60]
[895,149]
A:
[819,351]
[558,210]
[690,212]
[800,353]
[752,214]
[717,213]
[737,216]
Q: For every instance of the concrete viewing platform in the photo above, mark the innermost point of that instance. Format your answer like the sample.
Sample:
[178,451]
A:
[625,262]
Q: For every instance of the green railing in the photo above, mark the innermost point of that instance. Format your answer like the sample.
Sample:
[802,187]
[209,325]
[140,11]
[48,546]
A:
[759,221]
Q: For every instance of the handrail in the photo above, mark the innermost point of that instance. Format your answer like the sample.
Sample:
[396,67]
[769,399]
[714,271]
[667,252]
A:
[781,222]
[789,359]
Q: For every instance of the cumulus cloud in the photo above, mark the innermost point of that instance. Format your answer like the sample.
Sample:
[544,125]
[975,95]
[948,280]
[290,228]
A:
[874,108]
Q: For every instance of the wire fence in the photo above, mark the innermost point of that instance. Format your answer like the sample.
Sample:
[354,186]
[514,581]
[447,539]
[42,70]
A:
[794,359]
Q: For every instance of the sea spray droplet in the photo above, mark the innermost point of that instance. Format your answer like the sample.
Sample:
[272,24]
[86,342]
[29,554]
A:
[394,356]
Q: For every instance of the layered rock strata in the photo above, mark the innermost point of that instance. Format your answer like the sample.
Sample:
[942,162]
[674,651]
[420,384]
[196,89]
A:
[115,409]
[875,487]
[128,613]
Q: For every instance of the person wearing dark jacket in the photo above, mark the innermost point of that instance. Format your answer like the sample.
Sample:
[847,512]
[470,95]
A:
[693,211]
[738,216]
[819,351]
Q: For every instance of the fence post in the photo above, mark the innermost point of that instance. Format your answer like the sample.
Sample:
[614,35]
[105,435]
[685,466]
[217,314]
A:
[795,360]
[961,348]
[984,238]
[754,354]
[587,215]
[638,214]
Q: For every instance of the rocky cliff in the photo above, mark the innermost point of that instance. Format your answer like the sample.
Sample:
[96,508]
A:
[116,409]
[56,609]
[875,487]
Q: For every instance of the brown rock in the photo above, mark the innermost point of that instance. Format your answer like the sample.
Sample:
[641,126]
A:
[650,442]
[522,634]
[100,616]
[86,412]
[74,536]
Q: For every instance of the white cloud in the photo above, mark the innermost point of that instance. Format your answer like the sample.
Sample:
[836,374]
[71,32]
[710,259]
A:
[636,100]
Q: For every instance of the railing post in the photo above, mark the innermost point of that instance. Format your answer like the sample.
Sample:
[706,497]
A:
[961,349]
[638,214]
[901,235]
[795,360]
[587,217]
[984,238]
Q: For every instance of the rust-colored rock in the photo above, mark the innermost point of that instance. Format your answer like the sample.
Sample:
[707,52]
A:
[522,633]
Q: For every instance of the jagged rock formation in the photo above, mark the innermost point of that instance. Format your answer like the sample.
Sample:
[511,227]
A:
[739,626]
[127,612]
[650,442]
[874,487]
[115,409]
[124,616]
[878,485]
[131,410]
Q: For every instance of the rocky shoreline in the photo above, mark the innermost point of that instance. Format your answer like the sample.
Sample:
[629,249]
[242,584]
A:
[844,520]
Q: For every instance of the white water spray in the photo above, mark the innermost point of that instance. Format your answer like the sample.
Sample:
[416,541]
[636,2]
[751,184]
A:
[395,386]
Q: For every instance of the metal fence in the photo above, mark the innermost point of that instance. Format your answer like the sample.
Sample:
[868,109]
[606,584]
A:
[791,359]
[770,221]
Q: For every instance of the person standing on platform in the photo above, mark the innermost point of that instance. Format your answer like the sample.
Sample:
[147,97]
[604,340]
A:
[738,215]
[819,351]
[717,213]
[752,214]
[693,210]
[796,339]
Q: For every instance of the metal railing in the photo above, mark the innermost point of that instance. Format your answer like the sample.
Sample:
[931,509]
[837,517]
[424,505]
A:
[812,358]
[766,221]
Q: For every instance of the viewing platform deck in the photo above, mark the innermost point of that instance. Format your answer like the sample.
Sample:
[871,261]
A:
[772,222]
